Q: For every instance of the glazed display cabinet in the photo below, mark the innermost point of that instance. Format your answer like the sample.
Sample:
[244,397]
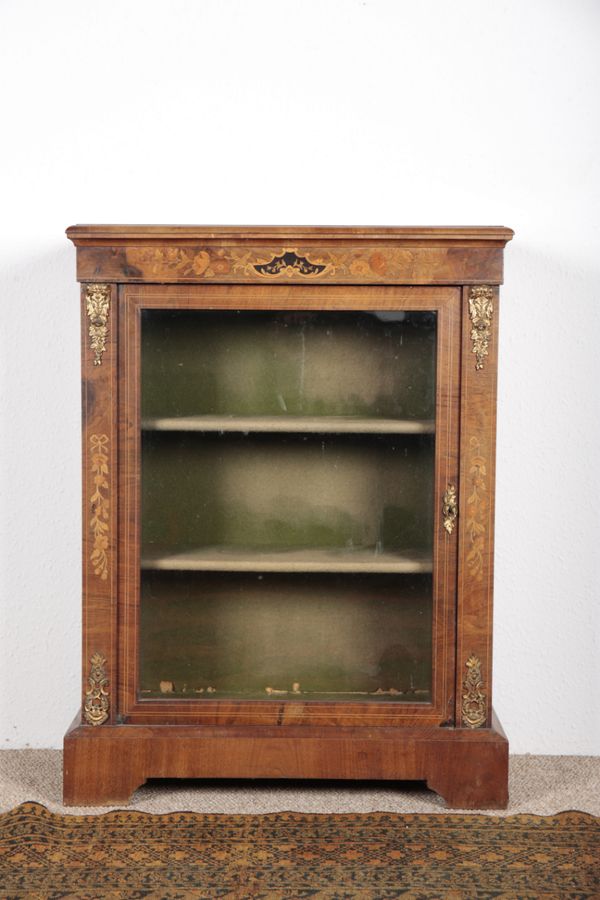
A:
[288,470]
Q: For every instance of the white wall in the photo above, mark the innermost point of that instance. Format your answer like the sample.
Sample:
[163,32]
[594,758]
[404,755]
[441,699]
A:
[313,112]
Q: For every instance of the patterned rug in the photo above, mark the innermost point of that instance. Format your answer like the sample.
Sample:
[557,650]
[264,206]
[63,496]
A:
[296,855]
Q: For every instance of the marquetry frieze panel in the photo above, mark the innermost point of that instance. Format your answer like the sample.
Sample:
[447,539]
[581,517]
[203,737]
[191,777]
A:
[300,263]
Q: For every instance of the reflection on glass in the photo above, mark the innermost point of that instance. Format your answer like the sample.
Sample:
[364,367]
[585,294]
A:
[287,505]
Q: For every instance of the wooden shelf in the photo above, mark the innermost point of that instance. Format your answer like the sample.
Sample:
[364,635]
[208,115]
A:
[233,559]
[297,424]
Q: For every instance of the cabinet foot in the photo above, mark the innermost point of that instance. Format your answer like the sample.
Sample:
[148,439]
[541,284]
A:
[95,772]
[471,772]
[82,787]
[471,780]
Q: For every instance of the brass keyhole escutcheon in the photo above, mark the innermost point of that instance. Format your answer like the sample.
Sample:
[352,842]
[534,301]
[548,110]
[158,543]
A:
[450,508]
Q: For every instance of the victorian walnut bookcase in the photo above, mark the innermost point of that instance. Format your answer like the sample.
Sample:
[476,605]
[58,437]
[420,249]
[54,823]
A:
[288,471]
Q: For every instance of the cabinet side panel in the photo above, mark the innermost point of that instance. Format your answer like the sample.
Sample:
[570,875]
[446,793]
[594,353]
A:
[476,507]
[99,479]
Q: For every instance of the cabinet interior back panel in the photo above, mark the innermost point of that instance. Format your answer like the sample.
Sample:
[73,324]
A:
[296,491]
[307,637]
[379,365]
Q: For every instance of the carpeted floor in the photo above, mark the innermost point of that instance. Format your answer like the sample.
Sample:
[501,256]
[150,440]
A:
[541,785]
[297,855]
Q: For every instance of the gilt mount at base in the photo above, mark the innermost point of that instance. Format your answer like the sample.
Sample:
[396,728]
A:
[96,703]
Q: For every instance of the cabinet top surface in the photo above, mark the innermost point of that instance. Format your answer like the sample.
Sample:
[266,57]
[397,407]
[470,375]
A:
[116,233]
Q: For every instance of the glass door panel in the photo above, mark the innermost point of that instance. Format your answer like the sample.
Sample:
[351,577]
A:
[287,493]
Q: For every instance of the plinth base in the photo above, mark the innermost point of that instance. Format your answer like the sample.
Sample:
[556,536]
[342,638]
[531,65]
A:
[104,765]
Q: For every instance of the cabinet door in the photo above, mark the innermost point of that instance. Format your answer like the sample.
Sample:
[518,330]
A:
[288,466]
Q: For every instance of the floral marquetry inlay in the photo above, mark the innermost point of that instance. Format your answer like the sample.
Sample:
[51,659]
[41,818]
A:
[476,509]
[381,264]
[99,502]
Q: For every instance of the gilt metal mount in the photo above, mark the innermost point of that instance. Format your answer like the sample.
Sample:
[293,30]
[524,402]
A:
[97,301]
[474,701]
[481,311]
[96,704]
